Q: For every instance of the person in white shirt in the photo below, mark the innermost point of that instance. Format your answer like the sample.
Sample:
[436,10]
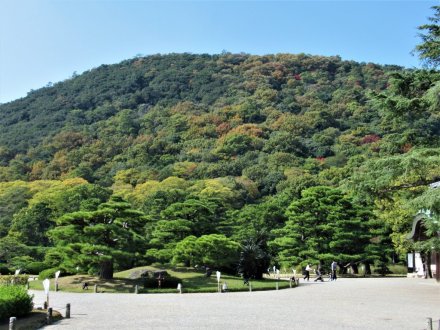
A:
[307,272]
[333,267]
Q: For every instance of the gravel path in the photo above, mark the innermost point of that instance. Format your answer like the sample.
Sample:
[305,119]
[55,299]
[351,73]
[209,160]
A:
[384,303]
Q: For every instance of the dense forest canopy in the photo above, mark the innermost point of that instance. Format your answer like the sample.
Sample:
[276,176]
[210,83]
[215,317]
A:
[282,158]
[195,117]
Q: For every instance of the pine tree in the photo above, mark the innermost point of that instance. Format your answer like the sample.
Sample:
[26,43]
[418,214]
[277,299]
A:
[97,240]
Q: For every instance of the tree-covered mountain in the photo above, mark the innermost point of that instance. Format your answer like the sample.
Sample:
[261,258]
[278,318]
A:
[207,116]
[280,153]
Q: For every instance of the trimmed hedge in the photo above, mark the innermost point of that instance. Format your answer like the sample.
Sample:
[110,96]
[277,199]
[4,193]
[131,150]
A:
[48,273]
[6,280]
[35,267]
[14,301]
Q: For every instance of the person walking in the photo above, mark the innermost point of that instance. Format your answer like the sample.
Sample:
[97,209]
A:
[307,272]
[333,268]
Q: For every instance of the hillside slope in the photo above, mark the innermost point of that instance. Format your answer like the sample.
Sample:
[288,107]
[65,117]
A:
[282,159]
[203,115]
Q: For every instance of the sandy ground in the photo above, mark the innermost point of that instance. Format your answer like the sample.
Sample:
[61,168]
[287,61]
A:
[381,303]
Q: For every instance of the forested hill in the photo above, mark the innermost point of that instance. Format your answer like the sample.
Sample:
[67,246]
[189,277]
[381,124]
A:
[196,116]
[290,159]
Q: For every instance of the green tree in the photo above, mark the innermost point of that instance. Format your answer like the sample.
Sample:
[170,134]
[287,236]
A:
[429,49]
[31,224]
[321,226]
[191,217]
[383,177]
[13,197]
[253,219]
[429,205]
[214,250]
[201,215]
[254,257]
[409,107]
[218,251]
[11,247]
[98,240]
[186,251]
[393,185]
[164,237]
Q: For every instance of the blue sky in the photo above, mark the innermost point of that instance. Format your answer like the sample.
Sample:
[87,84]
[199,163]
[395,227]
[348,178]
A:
[46,41]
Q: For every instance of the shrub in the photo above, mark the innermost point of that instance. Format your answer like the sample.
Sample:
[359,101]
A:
[50,273]
[47,273]
[21,262]
[398,269]
[35,267]
[14,301]
[6,280]
[4,270]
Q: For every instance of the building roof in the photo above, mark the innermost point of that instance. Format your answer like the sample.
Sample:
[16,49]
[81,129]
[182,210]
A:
[418,232]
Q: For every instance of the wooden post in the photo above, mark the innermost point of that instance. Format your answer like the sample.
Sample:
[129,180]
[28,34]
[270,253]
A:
[250,287]
[12,323]
[429,323]
[49,315]
[67,311]
[277,285]
[95,288]
[290,283]
[56,286]
[136,289]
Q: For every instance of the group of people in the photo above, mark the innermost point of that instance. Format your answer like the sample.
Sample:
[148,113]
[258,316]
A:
[319,272]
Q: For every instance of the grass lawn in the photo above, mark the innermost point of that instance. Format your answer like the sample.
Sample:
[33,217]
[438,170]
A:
[192,281]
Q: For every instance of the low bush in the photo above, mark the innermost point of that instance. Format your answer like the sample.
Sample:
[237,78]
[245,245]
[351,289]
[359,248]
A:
[35,267]
[4,270]
[14,301]
[398,269]
[50,273]
[13,280]
[47,273]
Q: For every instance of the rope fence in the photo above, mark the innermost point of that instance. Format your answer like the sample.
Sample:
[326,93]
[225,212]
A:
[59,309]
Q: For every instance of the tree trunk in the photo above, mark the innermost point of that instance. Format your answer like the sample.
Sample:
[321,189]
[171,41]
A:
[355,268]
[342,268]
[428,265]
[106,270]
[367,268]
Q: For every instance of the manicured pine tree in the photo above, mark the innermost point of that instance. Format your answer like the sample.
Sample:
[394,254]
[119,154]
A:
[97,240]
[322,226]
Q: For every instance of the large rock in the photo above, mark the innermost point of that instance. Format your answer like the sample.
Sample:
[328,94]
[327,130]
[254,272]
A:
[145,273]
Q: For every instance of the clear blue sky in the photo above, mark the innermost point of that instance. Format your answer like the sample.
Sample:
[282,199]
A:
[46,41]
